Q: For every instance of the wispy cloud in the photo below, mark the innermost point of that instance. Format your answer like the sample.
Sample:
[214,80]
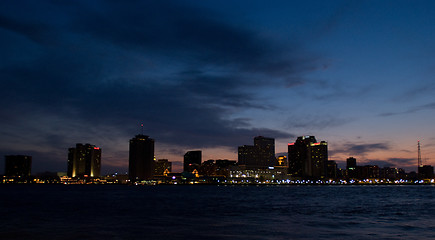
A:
[360,149]
[392,162]
[428,106]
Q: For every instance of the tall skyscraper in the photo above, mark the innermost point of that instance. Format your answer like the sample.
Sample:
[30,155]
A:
[192,161]
[351,169]
[18,165]
[308,158]
[247,156]
[266,151]
[261,155]
[141,158]
[84,160]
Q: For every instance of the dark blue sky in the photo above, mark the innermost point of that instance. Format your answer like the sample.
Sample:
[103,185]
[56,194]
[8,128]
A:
[212,75]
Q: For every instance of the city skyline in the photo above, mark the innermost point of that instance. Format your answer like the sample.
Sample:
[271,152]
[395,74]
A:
[211,76]
[143,161]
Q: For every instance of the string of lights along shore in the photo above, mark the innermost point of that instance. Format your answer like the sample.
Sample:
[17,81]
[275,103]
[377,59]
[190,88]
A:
[306,162]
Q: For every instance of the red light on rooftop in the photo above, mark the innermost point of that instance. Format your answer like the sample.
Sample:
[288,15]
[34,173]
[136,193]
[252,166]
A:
[291,144]
[96,148]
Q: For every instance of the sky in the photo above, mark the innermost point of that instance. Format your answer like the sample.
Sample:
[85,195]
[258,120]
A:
[212,75]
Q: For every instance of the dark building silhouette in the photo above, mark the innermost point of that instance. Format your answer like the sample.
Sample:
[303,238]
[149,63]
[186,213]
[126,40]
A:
[18,165]
[391,173]
[266,151]
[351,163]
[351,170]
[367,172]
[247,156]
[162,165]
[208,168]
[84,160]
[261,155]
[425,172]
[332,169]
[308,158]
[192,161]
[141,158]
[224,166]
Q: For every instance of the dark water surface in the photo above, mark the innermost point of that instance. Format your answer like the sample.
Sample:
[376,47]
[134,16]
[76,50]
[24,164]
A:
[216,212]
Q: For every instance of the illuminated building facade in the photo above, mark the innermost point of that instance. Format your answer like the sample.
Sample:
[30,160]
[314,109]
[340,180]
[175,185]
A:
[261,155]
[84,160]
[18,165]
[161,166]
[241,174]
[308,158]
[282,161]
[192,161]
[141,158]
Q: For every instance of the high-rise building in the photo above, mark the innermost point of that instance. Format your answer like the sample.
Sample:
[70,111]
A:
[351,163]
[351,168]
[266,151]
[332,169]
[192,161]
[261,155]
[141,158]
[18,165]
[247,156]
[84,160]
[308,158]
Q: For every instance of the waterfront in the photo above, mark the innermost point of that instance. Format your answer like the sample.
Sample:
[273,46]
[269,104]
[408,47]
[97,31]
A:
[217,212]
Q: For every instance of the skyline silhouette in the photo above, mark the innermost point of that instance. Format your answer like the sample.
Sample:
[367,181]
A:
[212,75]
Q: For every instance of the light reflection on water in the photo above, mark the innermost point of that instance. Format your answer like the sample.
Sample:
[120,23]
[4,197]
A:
[217,212]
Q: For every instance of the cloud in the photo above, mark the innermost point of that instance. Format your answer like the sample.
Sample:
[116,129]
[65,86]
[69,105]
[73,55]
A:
[428,106]
[360,149]
[391,162]
[93,71]
[311,121]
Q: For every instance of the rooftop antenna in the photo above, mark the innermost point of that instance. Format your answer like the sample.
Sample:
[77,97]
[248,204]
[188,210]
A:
[420,164]
[141,126]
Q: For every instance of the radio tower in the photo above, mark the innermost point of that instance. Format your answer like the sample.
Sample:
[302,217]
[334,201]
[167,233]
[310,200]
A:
[420,164]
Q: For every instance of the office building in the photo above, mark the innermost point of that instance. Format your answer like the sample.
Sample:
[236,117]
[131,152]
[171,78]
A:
[332,169]
[84,161]
[141,158]
[247,156]
[192,161]
[308,158]
[351,168]
[266,151]
[260,155]
[18,165]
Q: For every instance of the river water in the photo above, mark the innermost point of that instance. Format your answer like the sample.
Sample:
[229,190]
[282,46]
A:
[216,212]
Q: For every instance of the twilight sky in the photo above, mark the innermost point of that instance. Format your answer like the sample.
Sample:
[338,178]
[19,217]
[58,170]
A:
[212,75]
